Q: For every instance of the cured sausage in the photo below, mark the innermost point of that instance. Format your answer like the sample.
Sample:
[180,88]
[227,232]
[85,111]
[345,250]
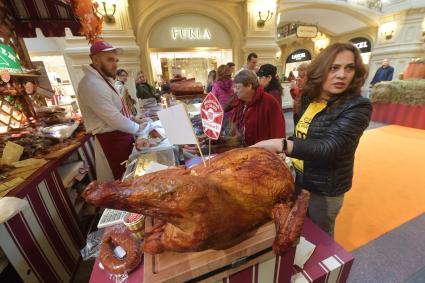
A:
[117,265]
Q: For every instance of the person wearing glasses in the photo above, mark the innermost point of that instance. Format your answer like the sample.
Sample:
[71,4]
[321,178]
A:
[257,115]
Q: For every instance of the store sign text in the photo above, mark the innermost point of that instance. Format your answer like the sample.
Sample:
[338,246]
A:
[297,57]
[306,31]
[188,33]
[361,45]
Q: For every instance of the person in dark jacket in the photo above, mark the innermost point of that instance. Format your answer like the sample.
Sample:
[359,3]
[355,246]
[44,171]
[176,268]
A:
[333,117]
[257,115]
[143,89]
[267,78]
[384,73]
[212,76]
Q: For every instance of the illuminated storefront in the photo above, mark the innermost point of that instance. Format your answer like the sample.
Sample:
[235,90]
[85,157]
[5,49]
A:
[190,45]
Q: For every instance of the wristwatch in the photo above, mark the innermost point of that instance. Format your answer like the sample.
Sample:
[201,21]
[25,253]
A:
[284,145]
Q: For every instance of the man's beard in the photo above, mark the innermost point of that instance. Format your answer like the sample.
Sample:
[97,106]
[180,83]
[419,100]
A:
[107,72]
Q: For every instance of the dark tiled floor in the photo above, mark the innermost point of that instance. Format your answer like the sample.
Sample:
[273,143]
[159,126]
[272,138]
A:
[397,256]
[418,277]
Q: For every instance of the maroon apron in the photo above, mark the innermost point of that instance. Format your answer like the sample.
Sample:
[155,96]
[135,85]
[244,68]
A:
[116,145]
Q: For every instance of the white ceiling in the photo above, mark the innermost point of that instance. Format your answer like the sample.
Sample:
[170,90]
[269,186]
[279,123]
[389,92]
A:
[331,21]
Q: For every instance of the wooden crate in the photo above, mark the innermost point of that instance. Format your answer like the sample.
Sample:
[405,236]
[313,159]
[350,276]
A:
[211,265]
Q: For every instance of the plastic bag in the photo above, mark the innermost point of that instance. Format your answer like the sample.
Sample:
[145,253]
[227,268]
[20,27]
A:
[91,250]
[61,131]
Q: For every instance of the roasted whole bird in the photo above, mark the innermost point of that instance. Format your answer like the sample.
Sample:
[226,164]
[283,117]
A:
[214,207]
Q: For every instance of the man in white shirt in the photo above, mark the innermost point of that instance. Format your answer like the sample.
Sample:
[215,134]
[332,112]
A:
[105,115]
[251,63]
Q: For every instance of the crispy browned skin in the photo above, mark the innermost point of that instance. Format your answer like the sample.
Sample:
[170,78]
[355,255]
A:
[204,208]
[289,222]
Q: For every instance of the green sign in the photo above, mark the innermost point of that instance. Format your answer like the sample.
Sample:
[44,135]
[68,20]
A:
[8,60]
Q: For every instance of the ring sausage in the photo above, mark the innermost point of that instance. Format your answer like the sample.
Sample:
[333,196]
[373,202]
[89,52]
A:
[117,265]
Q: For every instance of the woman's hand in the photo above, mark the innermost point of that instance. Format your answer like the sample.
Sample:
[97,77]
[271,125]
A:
[274,145]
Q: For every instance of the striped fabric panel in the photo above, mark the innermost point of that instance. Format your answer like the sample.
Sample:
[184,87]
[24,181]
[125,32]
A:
[317,273]
[49,253]
[87,155]
[42,10]
[52,10]
[17,257]
[89,150]
[347,260]
[285,267]
[41,7]
[333,269]
[67,211]
[62,228]
[43,241]
[277,269]
[91,144]
[243,276]
[300,278]
[266,271]
[20,8]
[29,247]
[46,222]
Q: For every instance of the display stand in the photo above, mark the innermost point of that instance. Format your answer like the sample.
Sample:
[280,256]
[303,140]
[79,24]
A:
[328,263]
[43,241]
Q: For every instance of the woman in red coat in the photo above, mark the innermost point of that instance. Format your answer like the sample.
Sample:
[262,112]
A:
[257,115]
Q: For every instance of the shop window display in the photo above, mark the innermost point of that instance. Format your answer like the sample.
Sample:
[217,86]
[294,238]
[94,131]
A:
[194,64]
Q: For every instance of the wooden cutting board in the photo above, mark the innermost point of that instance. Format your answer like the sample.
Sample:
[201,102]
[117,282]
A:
[209,265]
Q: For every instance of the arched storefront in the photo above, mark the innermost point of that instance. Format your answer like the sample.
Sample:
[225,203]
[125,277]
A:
[295,59]
[148,18]
[190,45]
[365,47]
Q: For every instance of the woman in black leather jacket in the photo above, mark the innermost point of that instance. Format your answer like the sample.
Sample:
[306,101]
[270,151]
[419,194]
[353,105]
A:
[334,116]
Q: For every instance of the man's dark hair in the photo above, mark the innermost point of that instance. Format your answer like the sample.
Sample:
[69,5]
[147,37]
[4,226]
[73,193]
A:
[120,72]
[230,64]
[251,55]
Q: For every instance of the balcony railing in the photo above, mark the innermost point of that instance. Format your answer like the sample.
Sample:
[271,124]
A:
[371,4]
[287,30]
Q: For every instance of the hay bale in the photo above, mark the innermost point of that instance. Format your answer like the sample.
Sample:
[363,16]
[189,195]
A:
[408,92]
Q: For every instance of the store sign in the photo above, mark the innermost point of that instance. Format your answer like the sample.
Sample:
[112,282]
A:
[299,56]
[212,116]
[363,44]
[189,33]
[8,60]
[306,31]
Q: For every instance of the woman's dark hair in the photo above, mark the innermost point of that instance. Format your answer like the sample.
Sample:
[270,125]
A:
[120,72]
[319,69]
[212,76]
[273,85]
